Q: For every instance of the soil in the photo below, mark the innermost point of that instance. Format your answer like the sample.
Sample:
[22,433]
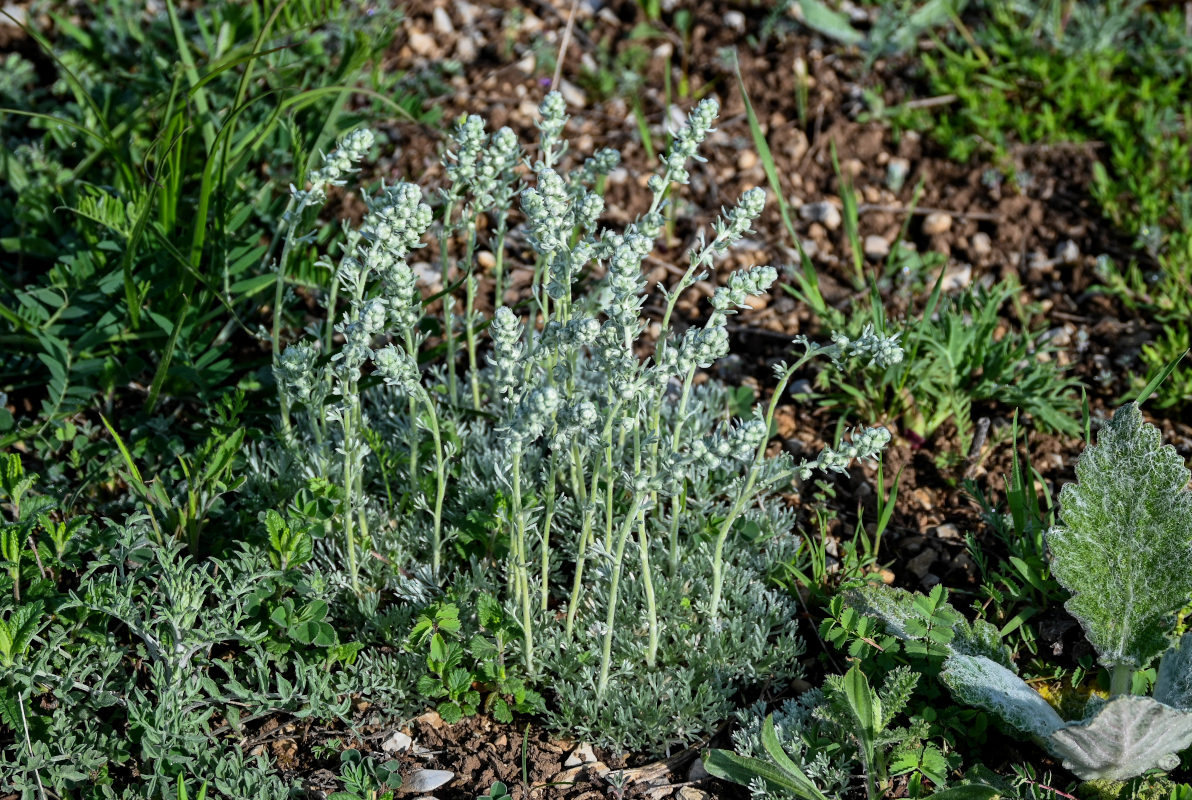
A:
[1039,225]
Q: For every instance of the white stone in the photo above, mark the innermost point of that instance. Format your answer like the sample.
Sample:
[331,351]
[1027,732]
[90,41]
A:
[442,21]
[13,15]
[1067,252]
[824,213]
[735,21]
[425,780]
[980,244]
[465,49]
[937,222]
[876,247]
[582,754]
[957,277]
[396,743]
[572,94]
[422,44]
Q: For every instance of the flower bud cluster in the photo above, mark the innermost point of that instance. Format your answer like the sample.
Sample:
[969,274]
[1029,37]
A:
[534,415]
[356,350]
[340,162]
[493,185]
[738,443]
[295,371]
[397,367]
[469,140]
[599,164]
[549,214]
[880,350]
[625,255]
[699,347]
[687,141]
[553,116]
[741,285]
[397,219]
[506,332]
[738,220]
[576,421]
[578,333]
[864,445]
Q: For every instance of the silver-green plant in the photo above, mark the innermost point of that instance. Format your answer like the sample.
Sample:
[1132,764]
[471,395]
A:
[1124,551]
[570,445]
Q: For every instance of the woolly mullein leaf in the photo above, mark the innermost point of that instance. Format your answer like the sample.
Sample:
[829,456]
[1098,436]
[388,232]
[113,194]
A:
[1124,550]
[1124,738]
[982,682]
[1174,685]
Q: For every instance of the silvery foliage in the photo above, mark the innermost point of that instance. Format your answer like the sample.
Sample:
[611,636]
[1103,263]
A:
[802,731]
[140,601]
[607,445]
[1125,552]
[700,665]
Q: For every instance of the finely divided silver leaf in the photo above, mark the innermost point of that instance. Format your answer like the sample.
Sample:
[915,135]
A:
[1125,737]
[1124,549]
[982,682]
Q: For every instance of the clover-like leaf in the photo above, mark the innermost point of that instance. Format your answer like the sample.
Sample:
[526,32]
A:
[1125,737]
[1124,550]
[982,682]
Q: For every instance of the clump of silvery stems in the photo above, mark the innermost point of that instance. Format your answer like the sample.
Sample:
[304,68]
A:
[597,448]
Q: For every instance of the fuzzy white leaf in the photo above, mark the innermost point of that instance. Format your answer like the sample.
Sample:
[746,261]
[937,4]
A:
[982,682]
[1125,737]
[1125,548]
[1174,685]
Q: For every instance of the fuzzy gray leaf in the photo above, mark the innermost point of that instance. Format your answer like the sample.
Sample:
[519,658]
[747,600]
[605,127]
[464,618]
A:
[1174,685]
[1124,738]
[1125,548]
[982,682]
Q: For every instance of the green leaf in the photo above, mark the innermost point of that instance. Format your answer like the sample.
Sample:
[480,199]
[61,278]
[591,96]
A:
[1124,549]
[742,769]
[969,791]
[817,16]
[865,708]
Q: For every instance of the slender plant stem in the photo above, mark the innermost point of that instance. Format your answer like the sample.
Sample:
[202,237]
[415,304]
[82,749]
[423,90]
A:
[746,492]
[521,562]
[633,514]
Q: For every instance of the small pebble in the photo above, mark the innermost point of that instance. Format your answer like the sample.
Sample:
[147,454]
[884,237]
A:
[574,95]
[486,260]
[746,159]
[425,780]
[466,50]
[1067,252]
[937,222]
[825,213]
[946,531]
[876,247]
[980,244]
[957,278]
[397,743]
[896,172]
[422,44]
[582,754]
[442,22]
[735,21]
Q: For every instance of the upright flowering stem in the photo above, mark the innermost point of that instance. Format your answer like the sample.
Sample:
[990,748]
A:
[746,492]
[632,519]
[521,561]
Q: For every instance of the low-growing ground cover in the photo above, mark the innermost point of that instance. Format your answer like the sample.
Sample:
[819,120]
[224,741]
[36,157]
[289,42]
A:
[379,420]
